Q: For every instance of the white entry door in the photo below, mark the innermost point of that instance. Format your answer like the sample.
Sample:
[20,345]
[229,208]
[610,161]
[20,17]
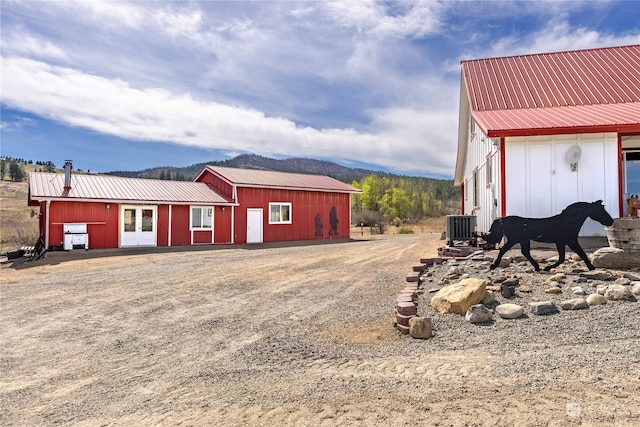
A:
[254,225]
[138,225]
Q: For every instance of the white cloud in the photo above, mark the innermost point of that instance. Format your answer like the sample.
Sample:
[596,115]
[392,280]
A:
[401,19]
[371,81]
[113,107]
[558,35]
[24,43]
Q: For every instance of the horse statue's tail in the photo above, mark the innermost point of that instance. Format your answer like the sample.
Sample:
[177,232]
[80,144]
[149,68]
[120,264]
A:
[495,233]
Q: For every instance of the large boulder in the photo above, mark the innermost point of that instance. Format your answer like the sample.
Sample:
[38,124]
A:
[615,258]
[457,298]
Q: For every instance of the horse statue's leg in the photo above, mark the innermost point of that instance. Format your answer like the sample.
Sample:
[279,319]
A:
[503,250]
[525,248]
[575,247]
[561,255]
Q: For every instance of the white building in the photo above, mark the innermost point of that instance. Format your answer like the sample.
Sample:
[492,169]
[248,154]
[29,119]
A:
[539,132]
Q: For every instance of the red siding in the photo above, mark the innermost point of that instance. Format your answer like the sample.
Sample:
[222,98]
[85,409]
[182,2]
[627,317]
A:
[162,236]
[180,234]
[201,237]
[306,207]
[102,222]
[217,184]
[222,224]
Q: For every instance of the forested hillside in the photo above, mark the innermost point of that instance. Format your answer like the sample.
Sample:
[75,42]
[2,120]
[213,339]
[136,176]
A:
[386,197]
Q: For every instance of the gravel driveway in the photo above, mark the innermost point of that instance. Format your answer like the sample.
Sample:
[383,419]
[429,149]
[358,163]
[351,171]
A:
[283,335]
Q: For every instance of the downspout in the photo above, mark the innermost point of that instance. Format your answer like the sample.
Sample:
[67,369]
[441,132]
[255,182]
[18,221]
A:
[503,179]
[462,200]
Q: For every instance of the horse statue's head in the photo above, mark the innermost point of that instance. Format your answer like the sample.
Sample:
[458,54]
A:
[597,212]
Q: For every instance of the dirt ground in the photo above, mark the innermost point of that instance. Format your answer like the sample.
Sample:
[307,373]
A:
[265,335]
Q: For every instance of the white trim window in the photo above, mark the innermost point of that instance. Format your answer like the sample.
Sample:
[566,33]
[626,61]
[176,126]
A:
[201,218]
[279,213]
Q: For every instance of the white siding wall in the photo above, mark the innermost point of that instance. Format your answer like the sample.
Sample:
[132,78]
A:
[483,159]
[540,182]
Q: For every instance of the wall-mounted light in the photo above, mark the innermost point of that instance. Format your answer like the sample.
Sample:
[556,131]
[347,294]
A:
[222,209]
[573,156]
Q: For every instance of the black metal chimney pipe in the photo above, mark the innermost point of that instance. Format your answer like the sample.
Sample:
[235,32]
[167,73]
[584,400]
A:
[68,166]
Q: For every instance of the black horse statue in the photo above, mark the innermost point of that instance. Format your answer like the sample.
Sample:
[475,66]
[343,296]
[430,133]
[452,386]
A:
[561,229]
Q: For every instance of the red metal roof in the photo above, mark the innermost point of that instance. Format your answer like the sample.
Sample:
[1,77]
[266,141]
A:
[48,186]
[282,180]
[577,89]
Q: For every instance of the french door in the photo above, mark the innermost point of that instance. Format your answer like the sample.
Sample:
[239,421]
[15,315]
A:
[138,225]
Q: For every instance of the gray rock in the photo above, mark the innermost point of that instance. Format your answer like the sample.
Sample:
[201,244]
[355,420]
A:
[617,293]
[420,327]
[632,276]
[509,311]
[543,307]
[512,281]
[507,291]
[615,258]
[574,304]
[505,262]
[455,270]
[598,275]
[622,281]
[555,279]
[577,290]
[489,298]
[596,299]
[478,314]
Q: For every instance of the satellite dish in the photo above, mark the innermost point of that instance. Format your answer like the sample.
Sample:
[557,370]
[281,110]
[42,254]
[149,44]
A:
[573,156]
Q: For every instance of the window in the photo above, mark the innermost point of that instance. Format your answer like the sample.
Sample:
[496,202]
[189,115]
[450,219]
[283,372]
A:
[489,170]
[201,218]
[476,195]
[631,172]
[279,213]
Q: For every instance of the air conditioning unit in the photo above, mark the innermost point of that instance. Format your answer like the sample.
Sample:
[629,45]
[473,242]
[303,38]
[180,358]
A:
[461,228]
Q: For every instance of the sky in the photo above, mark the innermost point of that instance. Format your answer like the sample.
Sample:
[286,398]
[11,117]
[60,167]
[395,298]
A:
[131,85]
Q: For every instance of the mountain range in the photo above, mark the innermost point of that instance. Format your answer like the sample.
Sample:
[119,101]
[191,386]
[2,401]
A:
[253,161]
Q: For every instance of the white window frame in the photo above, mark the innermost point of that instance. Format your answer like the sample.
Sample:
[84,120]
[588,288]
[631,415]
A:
[205,212]
[281,205]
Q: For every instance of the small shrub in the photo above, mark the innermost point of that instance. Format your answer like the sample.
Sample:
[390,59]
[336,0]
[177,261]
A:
[405,230]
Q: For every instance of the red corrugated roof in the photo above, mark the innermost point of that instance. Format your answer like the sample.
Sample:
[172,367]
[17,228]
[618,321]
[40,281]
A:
[576,89]
[282,180]
[43,186]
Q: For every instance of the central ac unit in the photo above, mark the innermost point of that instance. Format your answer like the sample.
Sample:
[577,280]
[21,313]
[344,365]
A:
[461,228]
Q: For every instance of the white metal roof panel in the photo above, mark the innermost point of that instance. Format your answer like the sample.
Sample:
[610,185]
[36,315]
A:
[43,186]
[284,180]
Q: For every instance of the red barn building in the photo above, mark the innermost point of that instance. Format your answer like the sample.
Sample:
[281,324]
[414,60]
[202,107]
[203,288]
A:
[221,206]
